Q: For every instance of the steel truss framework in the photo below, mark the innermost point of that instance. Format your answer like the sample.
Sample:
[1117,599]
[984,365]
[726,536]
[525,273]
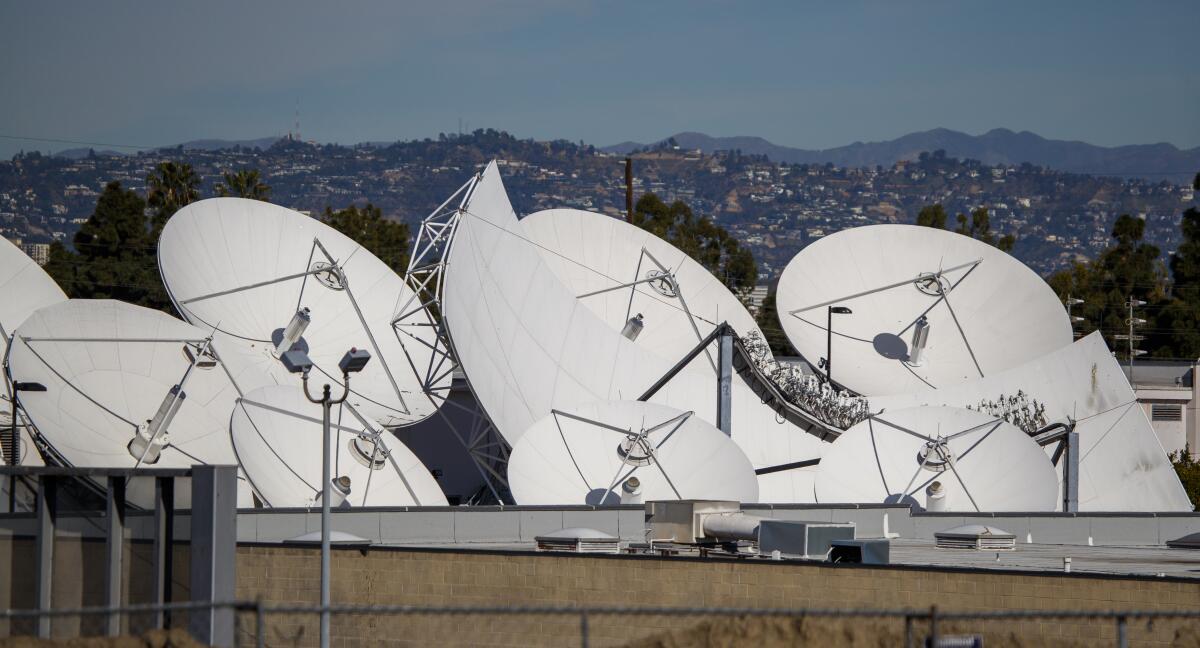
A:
[422,312]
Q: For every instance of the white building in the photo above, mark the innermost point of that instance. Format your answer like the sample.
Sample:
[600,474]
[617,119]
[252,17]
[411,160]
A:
[1170,396]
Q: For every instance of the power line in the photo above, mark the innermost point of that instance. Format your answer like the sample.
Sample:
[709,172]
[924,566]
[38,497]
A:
[77,142]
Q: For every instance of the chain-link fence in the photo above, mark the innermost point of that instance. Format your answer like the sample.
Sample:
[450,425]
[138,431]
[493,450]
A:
[262,624]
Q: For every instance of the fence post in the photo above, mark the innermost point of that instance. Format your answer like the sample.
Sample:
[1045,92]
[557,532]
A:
[260,629]
[47,518]
[933,626]
[1122,637]
[908,631]
[214,552]
[583,629]
[115,548]
[164,537]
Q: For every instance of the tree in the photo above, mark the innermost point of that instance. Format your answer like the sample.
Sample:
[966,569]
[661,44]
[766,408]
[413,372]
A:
[170,187]
[709,244]
[1181,318]
[768,323]
[114,255]
[246,183]
[386,239]
[1188,470]
[932,216]
[1129,268]
[979,227]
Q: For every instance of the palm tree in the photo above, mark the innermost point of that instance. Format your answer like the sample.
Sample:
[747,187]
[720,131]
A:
[246,183]
[170,187]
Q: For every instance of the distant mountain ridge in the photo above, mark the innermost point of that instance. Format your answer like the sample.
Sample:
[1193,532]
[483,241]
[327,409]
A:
[997,146]
[195,145]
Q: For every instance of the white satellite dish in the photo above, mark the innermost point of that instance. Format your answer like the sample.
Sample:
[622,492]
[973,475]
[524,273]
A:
[277,435]
[929,308]
[25,287]
[126,386]
[594,453]
[264,276]
[676,300]
[941,458]
[1123,466]
[529,345]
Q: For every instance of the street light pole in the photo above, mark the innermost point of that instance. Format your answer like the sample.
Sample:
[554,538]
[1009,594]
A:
[297,361]
[13,457]
[829,313]
[327,404]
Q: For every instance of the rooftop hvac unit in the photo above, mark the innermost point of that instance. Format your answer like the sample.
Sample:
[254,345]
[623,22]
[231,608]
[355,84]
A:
[579,540]
[976,536]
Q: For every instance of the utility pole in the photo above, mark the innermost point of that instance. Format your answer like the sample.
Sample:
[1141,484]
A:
[628,190]
[1131,322]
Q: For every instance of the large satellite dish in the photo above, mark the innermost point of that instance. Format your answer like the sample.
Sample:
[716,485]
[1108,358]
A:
[126,386]
[528,345]
[969,460]
[26,288]
[277,435]
[928,308]
[620,272]
[1123,466]
[264,276]
[588,455]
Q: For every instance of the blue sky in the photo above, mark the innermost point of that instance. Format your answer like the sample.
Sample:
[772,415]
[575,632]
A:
[813,75]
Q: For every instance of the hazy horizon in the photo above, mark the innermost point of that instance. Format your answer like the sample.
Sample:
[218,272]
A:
[807,76]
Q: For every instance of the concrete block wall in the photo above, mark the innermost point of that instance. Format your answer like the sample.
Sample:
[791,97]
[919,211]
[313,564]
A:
[285,575]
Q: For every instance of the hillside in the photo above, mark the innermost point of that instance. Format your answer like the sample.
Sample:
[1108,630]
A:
[999,146]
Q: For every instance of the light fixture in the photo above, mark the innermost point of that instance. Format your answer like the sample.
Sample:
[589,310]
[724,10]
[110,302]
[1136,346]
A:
[293,332]
[920,336]
[633,328]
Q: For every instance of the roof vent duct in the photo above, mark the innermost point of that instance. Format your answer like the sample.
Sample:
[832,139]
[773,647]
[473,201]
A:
[579,540]
[976,536]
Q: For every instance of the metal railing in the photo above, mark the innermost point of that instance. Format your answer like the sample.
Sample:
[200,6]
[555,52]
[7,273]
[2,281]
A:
[921,626]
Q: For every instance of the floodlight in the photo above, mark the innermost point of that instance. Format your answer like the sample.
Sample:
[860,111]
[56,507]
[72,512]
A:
[1077,319]
[296,361]
[1136,302]
[293,331]
[920,338]
[1136,321]
[28,387]
[1074,301]
[840,310]
[354,361]
[633,328]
